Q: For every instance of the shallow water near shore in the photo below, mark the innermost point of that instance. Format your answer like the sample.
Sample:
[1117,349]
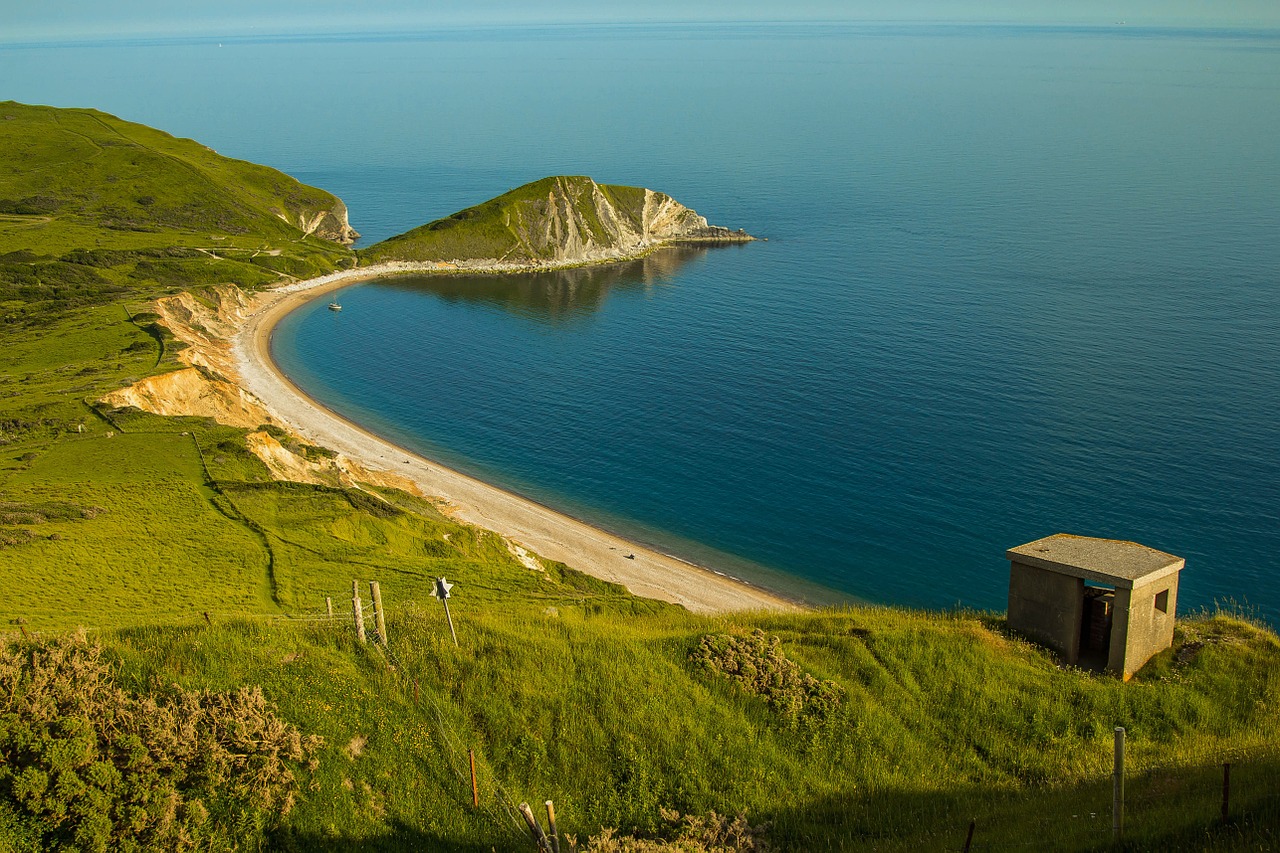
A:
[1018,281]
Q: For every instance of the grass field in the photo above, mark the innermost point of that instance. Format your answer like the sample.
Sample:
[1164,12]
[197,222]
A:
[601,708]
[197,575]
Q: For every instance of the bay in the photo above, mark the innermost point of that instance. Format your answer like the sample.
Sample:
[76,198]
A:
[1018,280]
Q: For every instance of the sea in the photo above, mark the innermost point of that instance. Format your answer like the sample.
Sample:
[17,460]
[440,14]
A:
[1017,281]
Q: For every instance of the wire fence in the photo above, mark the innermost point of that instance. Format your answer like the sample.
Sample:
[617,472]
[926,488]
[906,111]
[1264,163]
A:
[499,805]
[1199,805]
[1213,800]
[1163,808]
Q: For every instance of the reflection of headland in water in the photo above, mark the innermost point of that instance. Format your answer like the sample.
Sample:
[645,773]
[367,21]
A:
[556,296]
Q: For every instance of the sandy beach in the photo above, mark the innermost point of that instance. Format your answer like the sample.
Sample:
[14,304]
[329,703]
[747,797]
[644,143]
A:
[530,525]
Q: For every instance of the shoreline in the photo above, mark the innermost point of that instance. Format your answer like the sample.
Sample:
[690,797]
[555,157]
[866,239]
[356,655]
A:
[548,533]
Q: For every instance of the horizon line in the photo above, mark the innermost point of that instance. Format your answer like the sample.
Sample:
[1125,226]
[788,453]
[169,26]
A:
[382,33]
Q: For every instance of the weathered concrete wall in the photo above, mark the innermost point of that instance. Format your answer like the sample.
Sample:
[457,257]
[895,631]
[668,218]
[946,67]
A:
[1047,607]
[1141,629]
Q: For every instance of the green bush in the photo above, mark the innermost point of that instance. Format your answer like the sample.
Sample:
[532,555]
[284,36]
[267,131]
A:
[87,765]
[758,665]
[686,834]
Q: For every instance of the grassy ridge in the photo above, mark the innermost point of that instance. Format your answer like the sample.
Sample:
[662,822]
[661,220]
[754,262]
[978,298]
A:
[508,227]
[89,168]
[872,728]
[93,208]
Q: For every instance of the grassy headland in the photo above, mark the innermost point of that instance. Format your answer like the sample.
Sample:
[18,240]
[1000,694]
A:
[94,209]
[196,574]
[553,221]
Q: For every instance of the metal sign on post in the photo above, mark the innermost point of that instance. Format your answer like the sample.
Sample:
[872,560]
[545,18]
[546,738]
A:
[442,592]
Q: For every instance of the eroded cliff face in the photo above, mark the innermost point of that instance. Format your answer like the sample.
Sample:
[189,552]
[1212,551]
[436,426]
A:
[209,387]
[330,224]
[206,387]
[193,391]
[338,470]
[205,330]
[578,221]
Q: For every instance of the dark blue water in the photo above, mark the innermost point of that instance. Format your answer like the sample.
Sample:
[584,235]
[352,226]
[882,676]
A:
[1018,281]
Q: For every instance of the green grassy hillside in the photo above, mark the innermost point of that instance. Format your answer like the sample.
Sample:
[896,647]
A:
[616,709]
[93,208]
[198,579]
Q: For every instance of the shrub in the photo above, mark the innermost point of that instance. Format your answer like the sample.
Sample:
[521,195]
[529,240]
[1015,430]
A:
[90,766]
[688,834]
[758,665]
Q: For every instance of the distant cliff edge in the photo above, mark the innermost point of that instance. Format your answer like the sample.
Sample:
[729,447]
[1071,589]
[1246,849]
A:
[556,221]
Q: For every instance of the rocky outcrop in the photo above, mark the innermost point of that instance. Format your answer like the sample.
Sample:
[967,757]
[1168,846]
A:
[210,387]
[331,225]
[192,391]
[580,221]
[554,222]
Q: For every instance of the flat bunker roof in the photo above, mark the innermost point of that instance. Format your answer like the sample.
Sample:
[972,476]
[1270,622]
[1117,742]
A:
[1109,561]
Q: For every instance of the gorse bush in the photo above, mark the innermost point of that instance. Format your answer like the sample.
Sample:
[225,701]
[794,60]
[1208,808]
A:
[757,664]
[711,833]
[87,765]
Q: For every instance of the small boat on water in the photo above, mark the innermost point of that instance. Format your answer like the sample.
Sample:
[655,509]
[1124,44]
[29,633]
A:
[333,306]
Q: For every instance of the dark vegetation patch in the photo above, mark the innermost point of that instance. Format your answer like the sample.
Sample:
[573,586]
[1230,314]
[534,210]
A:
[39,291]
[758,665]
[11,536]
[119,257]
[88,765]
[16,512]
[35,205]
[24,428]
[710,833]
[372,504]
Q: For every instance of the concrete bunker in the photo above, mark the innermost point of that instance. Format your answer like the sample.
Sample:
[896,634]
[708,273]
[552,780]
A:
[1100,603]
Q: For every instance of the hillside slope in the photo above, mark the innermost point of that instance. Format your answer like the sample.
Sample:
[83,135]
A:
[93,208]
[555,221]
[81,165]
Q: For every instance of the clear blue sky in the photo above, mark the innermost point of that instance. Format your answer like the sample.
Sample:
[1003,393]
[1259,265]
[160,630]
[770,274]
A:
[39,20]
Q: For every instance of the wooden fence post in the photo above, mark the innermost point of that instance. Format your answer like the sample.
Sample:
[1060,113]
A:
[379,615]
[1117,788]
[551,825]
[1226,790]
[356,610]
[328,606]
[475,789]
[968,839]
[538,835]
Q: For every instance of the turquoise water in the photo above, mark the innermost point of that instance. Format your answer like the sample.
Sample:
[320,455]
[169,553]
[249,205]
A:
[1018,281]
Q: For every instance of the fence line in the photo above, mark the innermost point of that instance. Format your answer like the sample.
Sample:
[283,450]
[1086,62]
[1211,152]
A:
[456,749]
[1150,792]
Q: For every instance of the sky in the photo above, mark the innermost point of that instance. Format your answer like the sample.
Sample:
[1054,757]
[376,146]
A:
[71,20]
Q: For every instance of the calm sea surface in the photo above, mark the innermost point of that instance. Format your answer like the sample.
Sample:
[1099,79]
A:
[1018,281]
